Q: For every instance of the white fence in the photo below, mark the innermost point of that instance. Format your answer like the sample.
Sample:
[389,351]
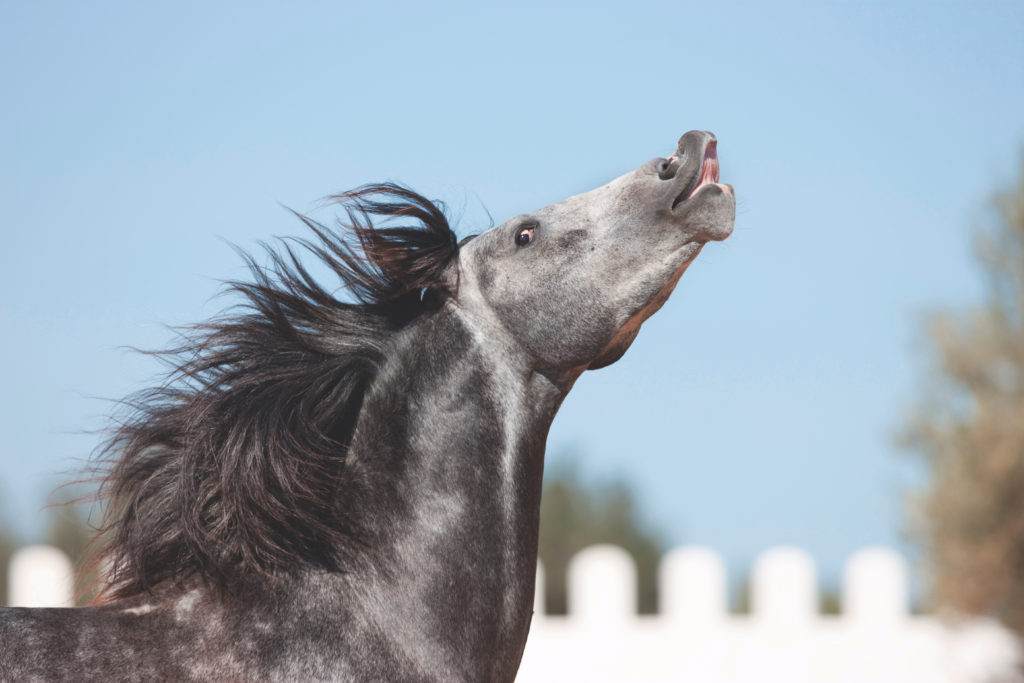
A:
[695,638]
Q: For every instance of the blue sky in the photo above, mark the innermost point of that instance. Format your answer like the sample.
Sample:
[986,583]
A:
[757,408]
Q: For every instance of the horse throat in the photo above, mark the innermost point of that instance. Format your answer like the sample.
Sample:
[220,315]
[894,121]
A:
[450,447]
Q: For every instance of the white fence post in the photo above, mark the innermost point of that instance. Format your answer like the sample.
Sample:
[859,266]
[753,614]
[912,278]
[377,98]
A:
[875,588]
[692,587]
[602,586]
[40,576]
[784,588]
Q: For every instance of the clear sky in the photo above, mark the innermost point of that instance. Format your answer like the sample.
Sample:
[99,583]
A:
[757,408]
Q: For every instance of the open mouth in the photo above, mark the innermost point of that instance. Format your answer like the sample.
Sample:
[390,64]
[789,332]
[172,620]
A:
[708,168]
[706,175]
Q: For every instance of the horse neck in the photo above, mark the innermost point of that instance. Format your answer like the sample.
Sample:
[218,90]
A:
[450,452]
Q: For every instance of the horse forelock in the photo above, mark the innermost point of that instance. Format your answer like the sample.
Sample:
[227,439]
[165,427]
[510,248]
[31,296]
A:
[233,467]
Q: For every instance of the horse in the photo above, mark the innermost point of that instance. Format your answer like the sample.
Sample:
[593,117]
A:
[347,488]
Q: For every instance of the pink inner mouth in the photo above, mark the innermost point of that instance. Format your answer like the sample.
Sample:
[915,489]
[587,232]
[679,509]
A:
[708,168]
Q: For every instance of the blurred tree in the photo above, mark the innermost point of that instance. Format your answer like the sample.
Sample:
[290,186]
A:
[71,532]
[8,544]
[574,515]
[969,429]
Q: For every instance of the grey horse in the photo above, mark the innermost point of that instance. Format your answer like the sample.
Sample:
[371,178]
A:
[349,490]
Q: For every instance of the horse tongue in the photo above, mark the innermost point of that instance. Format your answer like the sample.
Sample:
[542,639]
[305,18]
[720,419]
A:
[709,167]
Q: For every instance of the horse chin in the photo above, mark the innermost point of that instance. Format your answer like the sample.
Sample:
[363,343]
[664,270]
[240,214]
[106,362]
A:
[616,349]
[710,213]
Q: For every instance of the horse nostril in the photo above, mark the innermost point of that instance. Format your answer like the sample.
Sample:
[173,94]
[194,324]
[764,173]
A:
[667,168]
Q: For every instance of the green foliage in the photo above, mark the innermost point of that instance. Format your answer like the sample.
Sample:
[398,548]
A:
[968,428]
[574,515]
[829,603]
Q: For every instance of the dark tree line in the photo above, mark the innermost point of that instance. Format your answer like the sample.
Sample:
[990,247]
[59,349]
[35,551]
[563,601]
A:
[575,514]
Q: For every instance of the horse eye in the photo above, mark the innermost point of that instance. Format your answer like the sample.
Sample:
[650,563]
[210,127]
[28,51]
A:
[524,236]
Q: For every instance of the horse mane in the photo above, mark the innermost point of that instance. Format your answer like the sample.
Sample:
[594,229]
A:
[230,469]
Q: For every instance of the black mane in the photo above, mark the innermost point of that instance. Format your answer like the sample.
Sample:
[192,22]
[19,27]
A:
[231,468]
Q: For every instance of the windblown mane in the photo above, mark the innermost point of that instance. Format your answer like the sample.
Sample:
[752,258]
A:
[232,467]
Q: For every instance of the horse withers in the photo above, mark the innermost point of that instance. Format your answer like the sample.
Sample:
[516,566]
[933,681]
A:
[349,490]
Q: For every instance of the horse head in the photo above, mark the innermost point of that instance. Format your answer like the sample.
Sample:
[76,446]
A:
[573,282]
